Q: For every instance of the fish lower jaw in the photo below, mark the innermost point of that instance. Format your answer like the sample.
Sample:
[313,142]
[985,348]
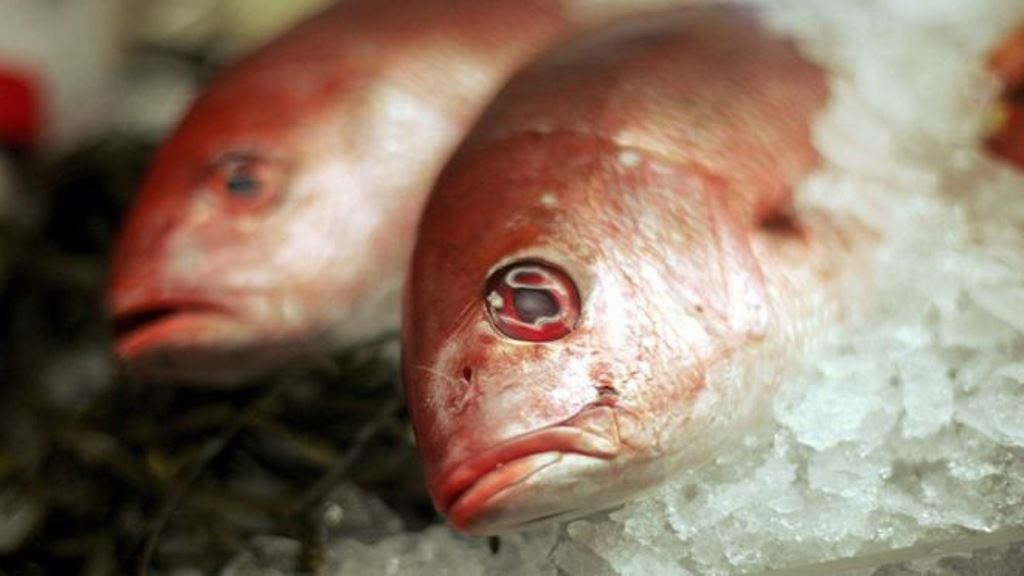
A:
[528,493]
[168,347]
[139,329]
[500,485]
[190,342]
[201,341]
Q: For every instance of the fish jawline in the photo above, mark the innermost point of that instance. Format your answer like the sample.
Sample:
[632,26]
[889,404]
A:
[166,324]
[473,483]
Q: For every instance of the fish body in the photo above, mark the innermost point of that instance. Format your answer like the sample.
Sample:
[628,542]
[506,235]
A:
[1006,140]
[277,221]
[610,280]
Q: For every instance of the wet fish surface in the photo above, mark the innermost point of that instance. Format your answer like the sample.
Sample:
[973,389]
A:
[611,279]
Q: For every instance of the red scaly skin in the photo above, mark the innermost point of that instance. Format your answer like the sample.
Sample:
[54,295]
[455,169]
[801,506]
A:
[652,165]
[1007,62]
[278,220]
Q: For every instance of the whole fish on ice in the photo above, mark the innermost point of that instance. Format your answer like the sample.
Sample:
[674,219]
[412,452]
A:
[278,220]
[610,278]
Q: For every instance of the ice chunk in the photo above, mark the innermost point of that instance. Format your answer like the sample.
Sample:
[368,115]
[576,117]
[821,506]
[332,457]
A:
[352,513]
[971,326]
[573,558]
[997,410]
[266,556]
[434,551]
[1005,303]
[927,394]
[625,554]
[846,403]
[848,472]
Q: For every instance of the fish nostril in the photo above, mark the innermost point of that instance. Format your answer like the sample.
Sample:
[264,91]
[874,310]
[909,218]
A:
[781,224]
[467,374]
[607,395]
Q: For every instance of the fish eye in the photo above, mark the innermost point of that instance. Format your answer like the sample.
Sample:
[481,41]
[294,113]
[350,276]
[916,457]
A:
[533,301]
[246,182]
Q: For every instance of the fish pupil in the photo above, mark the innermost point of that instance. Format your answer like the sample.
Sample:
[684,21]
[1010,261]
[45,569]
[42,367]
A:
[243,184]
[532,305]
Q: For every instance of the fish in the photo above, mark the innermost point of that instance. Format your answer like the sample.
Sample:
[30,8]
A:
[1005,139]
[275,225]
[612,276]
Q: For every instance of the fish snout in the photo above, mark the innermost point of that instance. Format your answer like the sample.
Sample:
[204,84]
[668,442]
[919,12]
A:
[159,335]
[169,325]
[166,331]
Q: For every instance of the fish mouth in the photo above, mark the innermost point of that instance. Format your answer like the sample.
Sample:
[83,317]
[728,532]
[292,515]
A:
[469,490]
[140,327]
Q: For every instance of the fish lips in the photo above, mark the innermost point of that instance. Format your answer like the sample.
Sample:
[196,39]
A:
[151,333]
[531,479]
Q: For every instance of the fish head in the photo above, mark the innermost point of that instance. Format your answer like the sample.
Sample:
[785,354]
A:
[553,363]
[251,241]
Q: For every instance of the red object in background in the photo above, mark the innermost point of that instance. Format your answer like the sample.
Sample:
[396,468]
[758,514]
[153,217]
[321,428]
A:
[1007,62]
[20,114]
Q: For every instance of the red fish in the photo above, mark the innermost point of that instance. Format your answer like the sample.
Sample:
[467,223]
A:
[279,218]
[1007,137]
[610,278]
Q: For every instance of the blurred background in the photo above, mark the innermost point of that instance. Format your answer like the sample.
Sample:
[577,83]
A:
[96,66]
[102,475]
